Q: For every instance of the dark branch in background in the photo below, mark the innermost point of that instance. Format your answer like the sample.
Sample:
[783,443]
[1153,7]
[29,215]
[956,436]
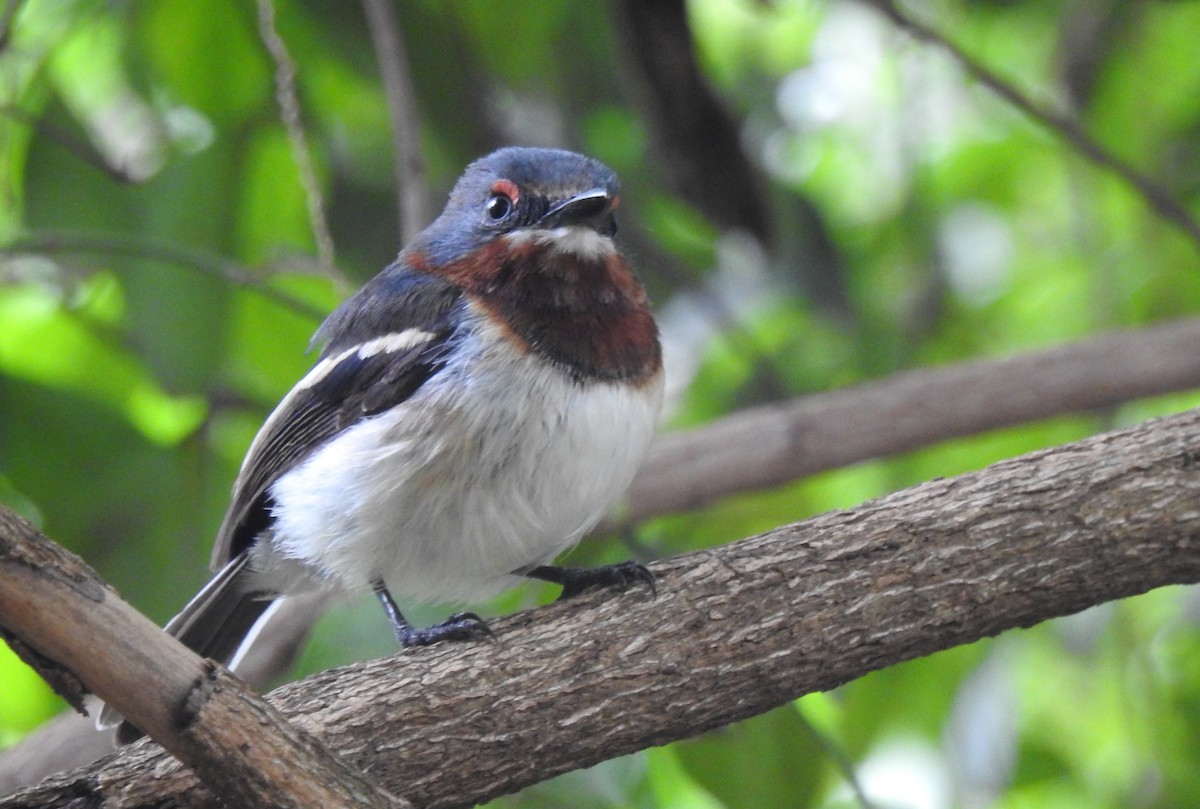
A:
[1160,199]
[61,241]
[768,446]
[740,629]
[694,138]
[696,151]
[699,155]
[412,195]
[293,122]
[841,761]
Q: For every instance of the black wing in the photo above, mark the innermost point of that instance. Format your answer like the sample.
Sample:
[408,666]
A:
[357,384]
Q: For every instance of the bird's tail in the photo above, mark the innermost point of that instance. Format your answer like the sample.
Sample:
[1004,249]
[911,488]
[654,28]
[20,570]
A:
[216,623]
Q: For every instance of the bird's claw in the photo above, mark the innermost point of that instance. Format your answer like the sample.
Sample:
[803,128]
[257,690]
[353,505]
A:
[460,626]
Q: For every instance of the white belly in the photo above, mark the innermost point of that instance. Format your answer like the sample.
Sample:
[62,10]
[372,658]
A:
[497,463]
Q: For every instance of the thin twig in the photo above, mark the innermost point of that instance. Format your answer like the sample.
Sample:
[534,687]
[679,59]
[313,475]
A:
[840,759]
[412,195]
[68,140]
[1156,196]
[50,242]
[289,113]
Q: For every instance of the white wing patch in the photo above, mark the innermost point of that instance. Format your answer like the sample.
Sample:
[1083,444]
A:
[387,344]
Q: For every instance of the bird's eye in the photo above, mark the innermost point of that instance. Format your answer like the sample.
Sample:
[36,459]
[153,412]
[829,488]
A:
[503,201]
[498,206]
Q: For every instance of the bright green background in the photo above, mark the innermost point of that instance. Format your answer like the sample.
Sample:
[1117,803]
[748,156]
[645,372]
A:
[133,375]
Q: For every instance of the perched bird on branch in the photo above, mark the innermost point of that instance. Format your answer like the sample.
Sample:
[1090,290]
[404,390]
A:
[475,410]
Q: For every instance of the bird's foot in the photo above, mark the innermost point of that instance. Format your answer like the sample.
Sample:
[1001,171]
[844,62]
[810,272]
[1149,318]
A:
[460,626]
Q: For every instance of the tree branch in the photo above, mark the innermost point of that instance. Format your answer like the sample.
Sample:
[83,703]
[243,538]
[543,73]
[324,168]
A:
[739,629]
[72,740]
[11,7]
[61,135]
[202,261]
[67,619]
[696,141]
[775,444]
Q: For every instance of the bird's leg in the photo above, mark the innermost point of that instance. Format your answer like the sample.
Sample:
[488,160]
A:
[460,626]
[575,580]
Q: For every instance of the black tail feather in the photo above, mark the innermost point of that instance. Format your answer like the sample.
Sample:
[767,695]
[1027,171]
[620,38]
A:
[216,621]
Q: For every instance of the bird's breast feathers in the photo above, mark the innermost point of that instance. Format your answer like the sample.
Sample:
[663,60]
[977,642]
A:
[498,461]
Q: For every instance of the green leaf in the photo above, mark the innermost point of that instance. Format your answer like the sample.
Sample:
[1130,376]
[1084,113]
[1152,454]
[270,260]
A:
[27,702]
[42,342]
[769,761]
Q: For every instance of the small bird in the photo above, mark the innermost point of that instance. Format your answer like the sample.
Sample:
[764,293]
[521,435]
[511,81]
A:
[475,409]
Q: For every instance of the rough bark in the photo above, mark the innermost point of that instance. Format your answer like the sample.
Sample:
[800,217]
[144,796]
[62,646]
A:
[739,629]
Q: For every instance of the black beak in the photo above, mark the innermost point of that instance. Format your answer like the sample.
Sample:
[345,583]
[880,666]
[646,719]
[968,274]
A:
[593,208]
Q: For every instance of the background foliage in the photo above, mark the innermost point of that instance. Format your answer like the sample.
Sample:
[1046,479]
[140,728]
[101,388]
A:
[159,285]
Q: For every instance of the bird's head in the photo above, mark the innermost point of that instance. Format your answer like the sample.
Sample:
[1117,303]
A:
[521,197]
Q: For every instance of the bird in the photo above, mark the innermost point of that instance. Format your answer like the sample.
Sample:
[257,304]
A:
[475,409]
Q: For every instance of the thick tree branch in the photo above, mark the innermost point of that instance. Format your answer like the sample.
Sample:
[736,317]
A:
[739,629]
[775,444]
[71,620]
[71,740]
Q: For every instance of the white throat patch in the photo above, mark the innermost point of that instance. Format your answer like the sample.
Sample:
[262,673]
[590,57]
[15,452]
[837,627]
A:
[577,240]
